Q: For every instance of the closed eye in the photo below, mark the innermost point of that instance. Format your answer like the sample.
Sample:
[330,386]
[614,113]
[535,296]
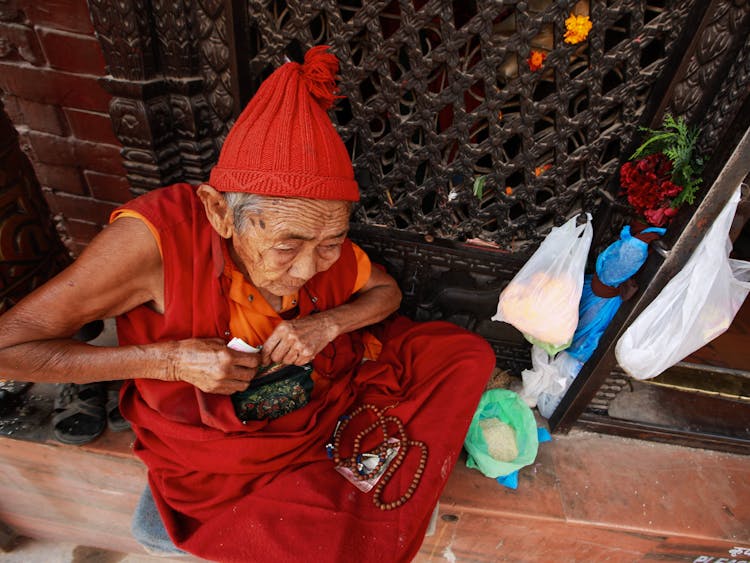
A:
[329,247]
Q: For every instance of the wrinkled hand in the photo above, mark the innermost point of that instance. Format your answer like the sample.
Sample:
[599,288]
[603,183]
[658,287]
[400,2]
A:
[299,341]
[211,366]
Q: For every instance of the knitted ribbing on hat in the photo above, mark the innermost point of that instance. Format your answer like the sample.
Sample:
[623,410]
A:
[283,144]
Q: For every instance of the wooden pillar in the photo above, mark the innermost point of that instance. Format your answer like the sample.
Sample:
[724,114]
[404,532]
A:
[168,65]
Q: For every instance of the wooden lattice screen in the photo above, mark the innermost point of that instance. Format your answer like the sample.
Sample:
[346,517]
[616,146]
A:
[439,95]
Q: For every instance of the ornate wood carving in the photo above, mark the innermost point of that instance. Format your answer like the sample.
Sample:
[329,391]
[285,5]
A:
[124,32]
[440,94]
[721,115]
[173,34]
[30,250]
[160,110]
[214,65]
[720,41]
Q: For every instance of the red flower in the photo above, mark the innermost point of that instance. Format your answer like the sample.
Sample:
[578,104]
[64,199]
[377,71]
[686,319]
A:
[536,60]
[660,217]
[670,189]
[649,189]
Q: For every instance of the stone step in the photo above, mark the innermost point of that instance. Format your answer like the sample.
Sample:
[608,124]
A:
[588,497]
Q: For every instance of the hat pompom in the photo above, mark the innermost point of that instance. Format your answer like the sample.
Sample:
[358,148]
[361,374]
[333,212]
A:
[319,74]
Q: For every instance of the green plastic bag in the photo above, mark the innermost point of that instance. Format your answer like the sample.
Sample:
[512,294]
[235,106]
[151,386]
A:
[510,409]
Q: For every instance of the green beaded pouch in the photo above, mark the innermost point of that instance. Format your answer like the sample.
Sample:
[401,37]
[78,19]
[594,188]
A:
[280,391]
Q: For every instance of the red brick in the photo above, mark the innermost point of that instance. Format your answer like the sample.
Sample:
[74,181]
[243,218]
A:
[71,15]
[51,149]
[69,151]
[108,187]
[99,157]
[81,208]
[42,117]
[82,231]
[71,51]
[61,178]
[91,126]
[53,87]
[20,41]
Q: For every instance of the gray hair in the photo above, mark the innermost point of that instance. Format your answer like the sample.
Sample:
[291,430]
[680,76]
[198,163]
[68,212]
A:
[242,204]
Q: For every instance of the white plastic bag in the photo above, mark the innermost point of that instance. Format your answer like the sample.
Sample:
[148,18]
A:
[568,366]
[548,377]
[696,306]
[543,375]
[542,299]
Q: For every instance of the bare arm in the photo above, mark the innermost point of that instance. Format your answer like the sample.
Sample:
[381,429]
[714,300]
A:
[298,341]
[120,270]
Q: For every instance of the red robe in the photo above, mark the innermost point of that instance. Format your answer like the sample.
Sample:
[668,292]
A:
[266,491]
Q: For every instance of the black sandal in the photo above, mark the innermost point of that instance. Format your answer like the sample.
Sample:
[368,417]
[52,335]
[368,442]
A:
[115,421]
[80,416]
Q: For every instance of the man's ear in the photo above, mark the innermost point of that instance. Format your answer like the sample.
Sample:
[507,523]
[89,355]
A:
[218,212]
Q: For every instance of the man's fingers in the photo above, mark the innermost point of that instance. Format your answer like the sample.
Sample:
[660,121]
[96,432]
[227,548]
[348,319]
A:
[280,353]
[246,360]
[269,346]
[243,374]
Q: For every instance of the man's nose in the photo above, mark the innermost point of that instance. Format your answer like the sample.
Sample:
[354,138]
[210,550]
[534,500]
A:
[305,266]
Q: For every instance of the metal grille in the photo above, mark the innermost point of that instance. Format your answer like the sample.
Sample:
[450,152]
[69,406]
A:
[439,94]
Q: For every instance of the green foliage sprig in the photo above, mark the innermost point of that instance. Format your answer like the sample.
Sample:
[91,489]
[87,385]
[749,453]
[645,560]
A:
[676,140]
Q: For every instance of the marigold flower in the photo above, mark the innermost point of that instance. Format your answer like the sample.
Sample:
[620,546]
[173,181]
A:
[539,170]
[508,190]
[577,28]
[536,60]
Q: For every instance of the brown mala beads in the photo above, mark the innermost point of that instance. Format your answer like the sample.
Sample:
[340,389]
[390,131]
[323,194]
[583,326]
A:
[355,462]
[378,493]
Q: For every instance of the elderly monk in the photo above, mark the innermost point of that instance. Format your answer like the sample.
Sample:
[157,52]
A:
[264,455]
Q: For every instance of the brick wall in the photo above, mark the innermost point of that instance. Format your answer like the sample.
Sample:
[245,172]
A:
[49,65]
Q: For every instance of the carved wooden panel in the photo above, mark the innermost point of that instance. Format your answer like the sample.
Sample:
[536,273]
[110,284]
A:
[30,250]
[734,91]
[440,94]
[725,32]
[167,63]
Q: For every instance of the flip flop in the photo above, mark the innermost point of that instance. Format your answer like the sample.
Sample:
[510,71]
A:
[115,421]
[79,416]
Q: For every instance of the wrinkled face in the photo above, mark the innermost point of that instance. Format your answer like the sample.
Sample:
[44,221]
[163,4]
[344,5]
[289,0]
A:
[290,241]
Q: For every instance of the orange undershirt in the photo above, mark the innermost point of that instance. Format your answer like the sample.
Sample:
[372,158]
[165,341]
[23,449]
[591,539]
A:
[251,317]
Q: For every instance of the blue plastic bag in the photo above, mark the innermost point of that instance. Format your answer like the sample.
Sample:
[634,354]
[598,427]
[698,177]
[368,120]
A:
[616,264]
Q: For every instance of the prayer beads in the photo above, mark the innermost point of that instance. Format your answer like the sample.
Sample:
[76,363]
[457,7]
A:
[355,462]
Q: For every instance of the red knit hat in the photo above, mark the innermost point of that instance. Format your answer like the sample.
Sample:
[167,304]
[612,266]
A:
[283,144]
